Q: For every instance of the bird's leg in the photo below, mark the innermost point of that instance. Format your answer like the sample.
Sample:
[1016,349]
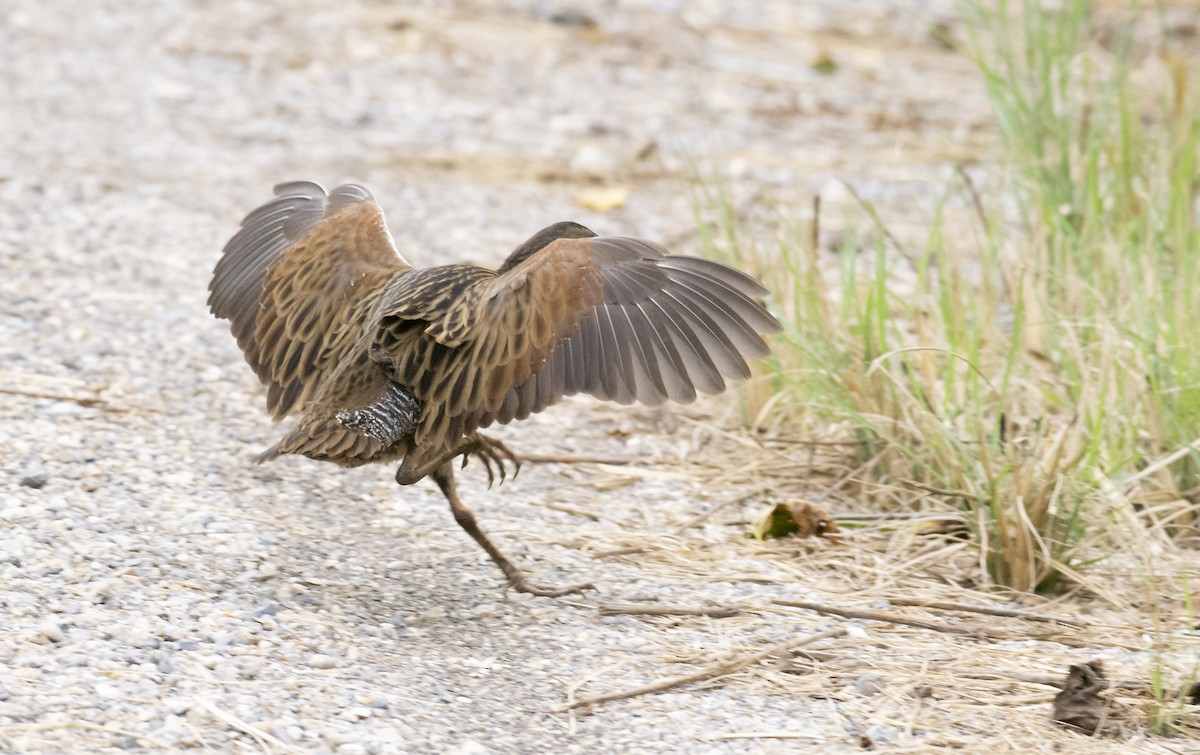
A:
[444,477]
[439,464]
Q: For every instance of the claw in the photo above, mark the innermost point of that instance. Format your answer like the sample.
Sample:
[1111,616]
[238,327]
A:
[494,455]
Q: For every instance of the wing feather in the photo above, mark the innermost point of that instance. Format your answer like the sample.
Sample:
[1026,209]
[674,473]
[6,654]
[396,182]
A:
[665,328]
[287,283]
[462,337]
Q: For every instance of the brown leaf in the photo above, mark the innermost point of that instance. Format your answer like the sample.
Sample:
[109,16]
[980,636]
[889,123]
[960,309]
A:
[824,63]
[797,517]
[602,198]
[1080,705]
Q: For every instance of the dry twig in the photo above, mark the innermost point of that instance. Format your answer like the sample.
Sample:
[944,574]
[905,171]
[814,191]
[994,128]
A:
[1011,613]
[264,739]
[890,618]
[619,552]
[940,491]
[573,511]
[573,459]
[88,726]
[712,672]
[630,609]
[86,401]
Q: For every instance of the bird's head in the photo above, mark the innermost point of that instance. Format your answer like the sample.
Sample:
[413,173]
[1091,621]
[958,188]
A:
[539,240]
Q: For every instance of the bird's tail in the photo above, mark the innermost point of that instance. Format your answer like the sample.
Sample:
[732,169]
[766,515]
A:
[268,455]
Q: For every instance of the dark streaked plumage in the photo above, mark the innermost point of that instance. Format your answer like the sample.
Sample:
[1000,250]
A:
[381,361]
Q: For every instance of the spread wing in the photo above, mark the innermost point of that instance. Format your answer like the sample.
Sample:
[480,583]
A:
[669,326]
[287,283]
[617,318]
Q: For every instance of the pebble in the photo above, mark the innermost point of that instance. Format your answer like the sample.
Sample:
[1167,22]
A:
[50,631]
[595,161]
[267,610]
[430,616]
[36,481]
[470,747]
[322,661]
[880,735]
[869,684]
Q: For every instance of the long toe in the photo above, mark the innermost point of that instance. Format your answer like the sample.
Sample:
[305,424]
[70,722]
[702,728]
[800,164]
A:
[524,585]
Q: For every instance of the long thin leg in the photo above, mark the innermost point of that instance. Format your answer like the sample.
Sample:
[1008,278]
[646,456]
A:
[444,477]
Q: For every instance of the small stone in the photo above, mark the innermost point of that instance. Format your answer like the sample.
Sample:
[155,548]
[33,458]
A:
[50,631]
[320,660]
[594,161]
[572,17]
[869,684]
[882,734]
[268,610]
[470,747]
[37,480]
[856,632]
[432,615]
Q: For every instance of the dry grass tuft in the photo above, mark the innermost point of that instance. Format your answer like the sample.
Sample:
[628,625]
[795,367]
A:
[1032,355]
[891,628]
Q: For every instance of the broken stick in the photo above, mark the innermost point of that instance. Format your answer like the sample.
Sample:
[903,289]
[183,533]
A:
[712,672]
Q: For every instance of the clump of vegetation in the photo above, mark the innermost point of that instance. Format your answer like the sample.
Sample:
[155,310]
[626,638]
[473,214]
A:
[1044,369]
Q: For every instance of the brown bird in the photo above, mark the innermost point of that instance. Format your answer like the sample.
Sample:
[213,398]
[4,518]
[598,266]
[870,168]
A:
[382,361]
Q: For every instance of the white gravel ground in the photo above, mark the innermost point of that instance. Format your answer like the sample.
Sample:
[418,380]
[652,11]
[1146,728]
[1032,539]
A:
[156,589]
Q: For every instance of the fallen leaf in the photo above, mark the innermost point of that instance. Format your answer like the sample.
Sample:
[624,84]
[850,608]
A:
[824,63]
[602,198]
[952,527]
[1080,705]
[797,517]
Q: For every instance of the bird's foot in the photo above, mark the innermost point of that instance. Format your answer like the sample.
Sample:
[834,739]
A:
[520,584]
[494,454]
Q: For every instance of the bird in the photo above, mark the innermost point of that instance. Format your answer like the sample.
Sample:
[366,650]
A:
[379,361]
